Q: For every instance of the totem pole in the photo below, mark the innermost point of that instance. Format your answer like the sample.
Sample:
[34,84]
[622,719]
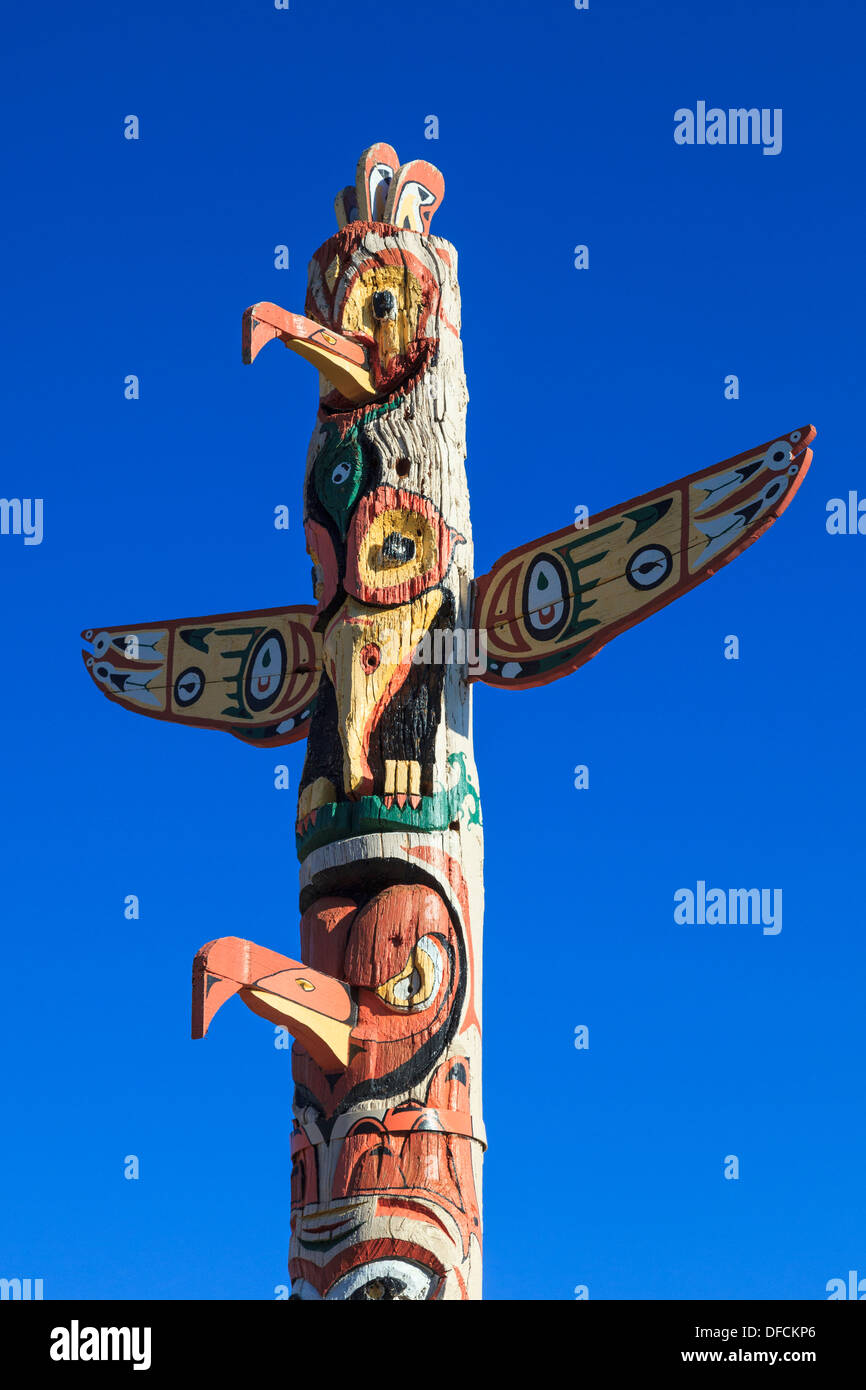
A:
[385,1005]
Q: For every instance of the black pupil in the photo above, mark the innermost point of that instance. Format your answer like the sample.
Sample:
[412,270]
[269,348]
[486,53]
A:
[384,304]
[387,1289]
[397,549]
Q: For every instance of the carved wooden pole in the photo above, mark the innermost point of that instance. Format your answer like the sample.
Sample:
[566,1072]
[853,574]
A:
[387,1146]
[385,1006]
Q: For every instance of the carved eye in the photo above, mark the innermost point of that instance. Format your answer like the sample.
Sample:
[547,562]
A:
[399,546]
[546,602]
[778,455]
[398,549]
[189,686]
[389,1280]
[384,305]
[649,567]
[266,670]
[337,477]
[419,980]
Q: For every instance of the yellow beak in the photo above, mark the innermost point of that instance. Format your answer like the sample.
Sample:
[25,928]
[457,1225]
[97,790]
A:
[343,362]
[316,1009]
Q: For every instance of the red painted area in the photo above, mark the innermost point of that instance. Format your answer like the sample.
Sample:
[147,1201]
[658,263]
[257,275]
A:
[499,588]
[324,1277]
[386,499]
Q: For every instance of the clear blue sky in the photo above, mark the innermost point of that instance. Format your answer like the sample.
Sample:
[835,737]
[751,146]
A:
[605,1166]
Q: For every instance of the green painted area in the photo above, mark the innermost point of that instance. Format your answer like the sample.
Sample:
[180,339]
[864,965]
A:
[339,472]
[577,568]
[338,475]
[196,637]
[264,731]
[593,535]
[235,683]
[340,820]
[550,663]
[645,517]
[329,1243]
[547,663]
[580,564]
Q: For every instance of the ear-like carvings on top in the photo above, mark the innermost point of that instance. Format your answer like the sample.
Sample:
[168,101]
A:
[386,191]
[416,191]
[373,176]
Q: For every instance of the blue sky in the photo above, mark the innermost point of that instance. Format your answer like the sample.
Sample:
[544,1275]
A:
[605,1166]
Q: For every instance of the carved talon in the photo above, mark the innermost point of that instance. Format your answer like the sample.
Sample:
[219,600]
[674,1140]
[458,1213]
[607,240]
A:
[402,782]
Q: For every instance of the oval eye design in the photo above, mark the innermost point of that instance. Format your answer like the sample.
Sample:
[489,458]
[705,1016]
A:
[546,601]
[778,455]
[418,982]
[338,475]
[266,672]
[649,567]
[189,686]
[388,1280]
[774,490]
[398,547]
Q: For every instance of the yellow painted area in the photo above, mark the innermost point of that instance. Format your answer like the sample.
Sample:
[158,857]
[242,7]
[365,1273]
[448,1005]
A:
[375,569]
[392,336]
[421,966]
[361,693]
[333,1034]
[350,378]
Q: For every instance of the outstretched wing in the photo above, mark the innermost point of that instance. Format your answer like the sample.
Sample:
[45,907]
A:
[254,675]
[547,607]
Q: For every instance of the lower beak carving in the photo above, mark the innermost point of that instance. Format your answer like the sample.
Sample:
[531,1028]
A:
[317,1010]
[343,361]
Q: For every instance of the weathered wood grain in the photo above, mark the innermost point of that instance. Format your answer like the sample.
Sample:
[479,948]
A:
[385,1005]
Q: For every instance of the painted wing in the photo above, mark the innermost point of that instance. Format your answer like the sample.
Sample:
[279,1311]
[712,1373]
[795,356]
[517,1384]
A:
[547,607]
[254,675]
